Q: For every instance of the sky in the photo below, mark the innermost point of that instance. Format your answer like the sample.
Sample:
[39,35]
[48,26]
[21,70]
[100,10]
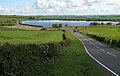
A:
[59,7]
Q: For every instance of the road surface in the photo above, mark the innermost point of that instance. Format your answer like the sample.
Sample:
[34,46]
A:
[107,57]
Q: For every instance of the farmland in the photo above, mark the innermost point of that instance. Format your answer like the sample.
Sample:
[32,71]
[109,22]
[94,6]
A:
[38,37]
[106,34]
[19,49]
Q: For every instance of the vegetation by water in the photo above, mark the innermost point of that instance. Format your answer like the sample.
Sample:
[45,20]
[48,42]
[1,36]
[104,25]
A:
[107,34]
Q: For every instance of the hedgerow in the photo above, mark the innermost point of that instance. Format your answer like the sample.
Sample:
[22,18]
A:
[16,59]
[111,42]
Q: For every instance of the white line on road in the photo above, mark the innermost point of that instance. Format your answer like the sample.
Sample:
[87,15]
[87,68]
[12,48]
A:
[102,49]
[111,54]
[100,44]
[97,47]
[97,60]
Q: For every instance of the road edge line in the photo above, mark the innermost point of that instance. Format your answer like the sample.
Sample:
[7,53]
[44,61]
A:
[96,59]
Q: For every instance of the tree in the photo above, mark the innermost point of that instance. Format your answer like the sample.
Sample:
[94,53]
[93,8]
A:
[102,24]
[57,26]
[109,23]
[118,23]
[94,23]
[60,25]
[66,25]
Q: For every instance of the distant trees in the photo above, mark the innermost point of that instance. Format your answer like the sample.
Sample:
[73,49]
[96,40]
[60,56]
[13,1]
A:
[66,25]
[109,23]
[57,25]
[43,29]
[102,24]
[97,23]
[118,23]
[94,23]
[32,18]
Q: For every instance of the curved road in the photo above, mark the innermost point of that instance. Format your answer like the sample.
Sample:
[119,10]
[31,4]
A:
[107,57]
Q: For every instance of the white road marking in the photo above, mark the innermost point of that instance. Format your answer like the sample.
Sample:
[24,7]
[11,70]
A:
[100,44]
[97,60]
[102,49]
[97,47]
[111,54]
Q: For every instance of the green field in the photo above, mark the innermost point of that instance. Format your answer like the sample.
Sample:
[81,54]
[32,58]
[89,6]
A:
[109,32]
[106,34]
[37,37]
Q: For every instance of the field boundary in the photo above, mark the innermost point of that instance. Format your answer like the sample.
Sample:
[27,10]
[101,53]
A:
[96,59]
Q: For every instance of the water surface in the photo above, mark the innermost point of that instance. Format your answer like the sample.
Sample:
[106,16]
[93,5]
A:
[48,23]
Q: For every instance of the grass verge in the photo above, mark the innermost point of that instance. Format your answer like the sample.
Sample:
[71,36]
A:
[74,62]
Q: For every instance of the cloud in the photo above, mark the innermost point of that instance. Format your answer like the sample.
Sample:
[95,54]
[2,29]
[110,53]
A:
[65,7]
[4,10]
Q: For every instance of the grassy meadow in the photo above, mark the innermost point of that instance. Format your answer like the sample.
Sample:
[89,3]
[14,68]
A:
[107,34]
[37,37]
[110,32]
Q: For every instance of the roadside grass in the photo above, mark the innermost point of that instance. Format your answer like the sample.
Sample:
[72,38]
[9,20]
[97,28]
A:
[35,37]
[73,62]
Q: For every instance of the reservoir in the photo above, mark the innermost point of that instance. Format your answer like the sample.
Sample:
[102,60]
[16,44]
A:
[49,23]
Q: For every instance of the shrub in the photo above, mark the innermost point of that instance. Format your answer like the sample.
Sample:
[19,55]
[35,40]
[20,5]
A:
[114,42]
[16,59]
[66,25]
[94,24]
[109,23]
[118,43]
[118,23]
[43,29]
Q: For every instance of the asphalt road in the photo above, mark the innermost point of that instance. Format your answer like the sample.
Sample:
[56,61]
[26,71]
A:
[107,57]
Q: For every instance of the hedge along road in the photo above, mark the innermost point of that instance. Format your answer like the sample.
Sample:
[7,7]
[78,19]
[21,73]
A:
[107,57]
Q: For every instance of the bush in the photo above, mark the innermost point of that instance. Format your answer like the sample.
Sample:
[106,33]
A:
[66,25]
[16,59]
[118,43]
[43,29]
[118,23]
[94,24]
[57,25]
[109,23]
[113,42]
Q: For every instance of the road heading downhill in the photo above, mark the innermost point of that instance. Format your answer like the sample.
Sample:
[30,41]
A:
[107,57]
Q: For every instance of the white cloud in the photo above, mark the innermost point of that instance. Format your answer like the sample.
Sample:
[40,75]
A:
[66,7]
[4,10]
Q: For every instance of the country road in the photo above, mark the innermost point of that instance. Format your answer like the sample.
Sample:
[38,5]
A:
[107,57]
